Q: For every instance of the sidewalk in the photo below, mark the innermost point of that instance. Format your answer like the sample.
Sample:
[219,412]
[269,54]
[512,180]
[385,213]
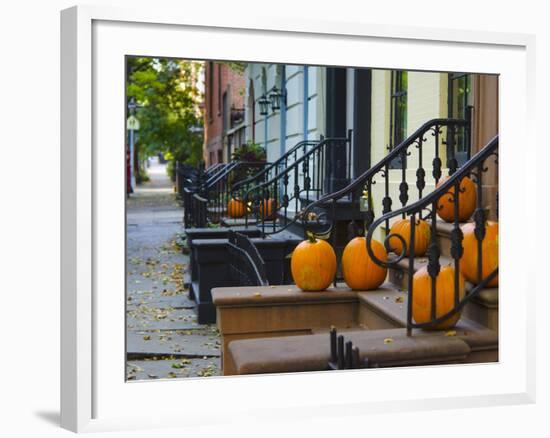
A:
[163,337]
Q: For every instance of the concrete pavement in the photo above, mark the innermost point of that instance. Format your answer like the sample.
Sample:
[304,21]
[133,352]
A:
[163,337]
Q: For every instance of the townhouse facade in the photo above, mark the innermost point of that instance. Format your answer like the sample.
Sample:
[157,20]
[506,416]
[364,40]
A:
[278,106]
[286,104]
[223,112]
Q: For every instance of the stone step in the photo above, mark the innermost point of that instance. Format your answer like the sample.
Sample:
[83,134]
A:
[387,307]
[399,275]
[227,221]
[482,309]
[444,230]
[388,347]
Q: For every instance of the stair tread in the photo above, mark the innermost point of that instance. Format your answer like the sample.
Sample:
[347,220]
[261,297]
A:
[420,262]
[391,303]
[445,228]
[237,222]
[312,352]
[487,296]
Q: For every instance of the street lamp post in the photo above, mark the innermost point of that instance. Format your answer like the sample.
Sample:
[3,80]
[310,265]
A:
[132,125]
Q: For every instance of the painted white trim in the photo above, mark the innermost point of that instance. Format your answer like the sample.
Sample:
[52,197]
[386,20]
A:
[76,219]
[78,216]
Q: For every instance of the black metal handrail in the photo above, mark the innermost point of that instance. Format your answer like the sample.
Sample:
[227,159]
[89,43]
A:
[247,268]
[309,176]
[215,168]
[271,169]
[318,216]
[221,174]
[209,201]
[427,207]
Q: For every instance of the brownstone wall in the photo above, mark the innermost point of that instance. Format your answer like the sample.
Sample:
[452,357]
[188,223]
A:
[219,78]
[485,127]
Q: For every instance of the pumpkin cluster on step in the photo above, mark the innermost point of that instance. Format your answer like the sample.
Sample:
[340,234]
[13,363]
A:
[313,262]
[236,208]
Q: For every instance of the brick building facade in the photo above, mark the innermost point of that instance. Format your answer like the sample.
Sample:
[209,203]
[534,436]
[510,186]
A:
[224,111]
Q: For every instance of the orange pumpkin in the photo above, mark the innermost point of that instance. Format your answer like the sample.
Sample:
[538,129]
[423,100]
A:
[236,208]
[359,270]
[466,201]
[313,264]
[489,252]
[444,296]
[267,208]
[422,236]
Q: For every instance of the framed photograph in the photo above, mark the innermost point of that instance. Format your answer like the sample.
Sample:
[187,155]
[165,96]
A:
[255,206]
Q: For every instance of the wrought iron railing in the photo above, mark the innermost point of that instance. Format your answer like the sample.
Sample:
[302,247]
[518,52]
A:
[427,208]
[186,175]
[207,201]
[343,354]
[303,177]
[215,168]
[319,217]
[272,169]
[246,266]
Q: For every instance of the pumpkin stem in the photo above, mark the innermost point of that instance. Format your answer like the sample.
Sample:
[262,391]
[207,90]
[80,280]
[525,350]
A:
[311,237]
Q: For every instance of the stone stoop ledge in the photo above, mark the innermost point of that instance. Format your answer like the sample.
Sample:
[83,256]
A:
[282,311]
[209,261]
[482,308]
[272,295]
[262,312]
[218,232]
[383,348]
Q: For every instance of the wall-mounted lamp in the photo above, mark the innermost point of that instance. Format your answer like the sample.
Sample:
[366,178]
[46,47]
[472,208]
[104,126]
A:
[276,97]
[263,102]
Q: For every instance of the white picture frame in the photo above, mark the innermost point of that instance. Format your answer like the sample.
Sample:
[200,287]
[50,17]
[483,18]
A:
[94,394]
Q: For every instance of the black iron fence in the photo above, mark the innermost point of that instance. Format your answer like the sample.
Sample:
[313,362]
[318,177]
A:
[246,266]
[272,169]
[319,216]
[217,191]
[205,199]
[428,207]
[301,178]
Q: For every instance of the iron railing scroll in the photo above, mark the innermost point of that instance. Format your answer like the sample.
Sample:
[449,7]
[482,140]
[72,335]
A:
[427,208]
[319,217]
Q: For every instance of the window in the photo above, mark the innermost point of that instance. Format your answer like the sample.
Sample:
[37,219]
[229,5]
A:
[226,113]
[398,112]
[210,90]
[219,89]
[460,103]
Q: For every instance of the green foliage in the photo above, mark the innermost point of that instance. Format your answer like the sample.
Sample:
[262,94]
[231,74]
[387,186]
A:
[237,67]
[167,94]
[171,169]
[250,152]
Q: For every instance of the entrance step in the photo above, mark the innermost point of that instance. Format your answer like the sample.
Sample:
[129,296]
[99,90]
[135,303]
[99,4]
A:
[383,348]
[227,221]
[246,313]
[482,309]
[444,236]
[210,267]
[261,312]
[387,308]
